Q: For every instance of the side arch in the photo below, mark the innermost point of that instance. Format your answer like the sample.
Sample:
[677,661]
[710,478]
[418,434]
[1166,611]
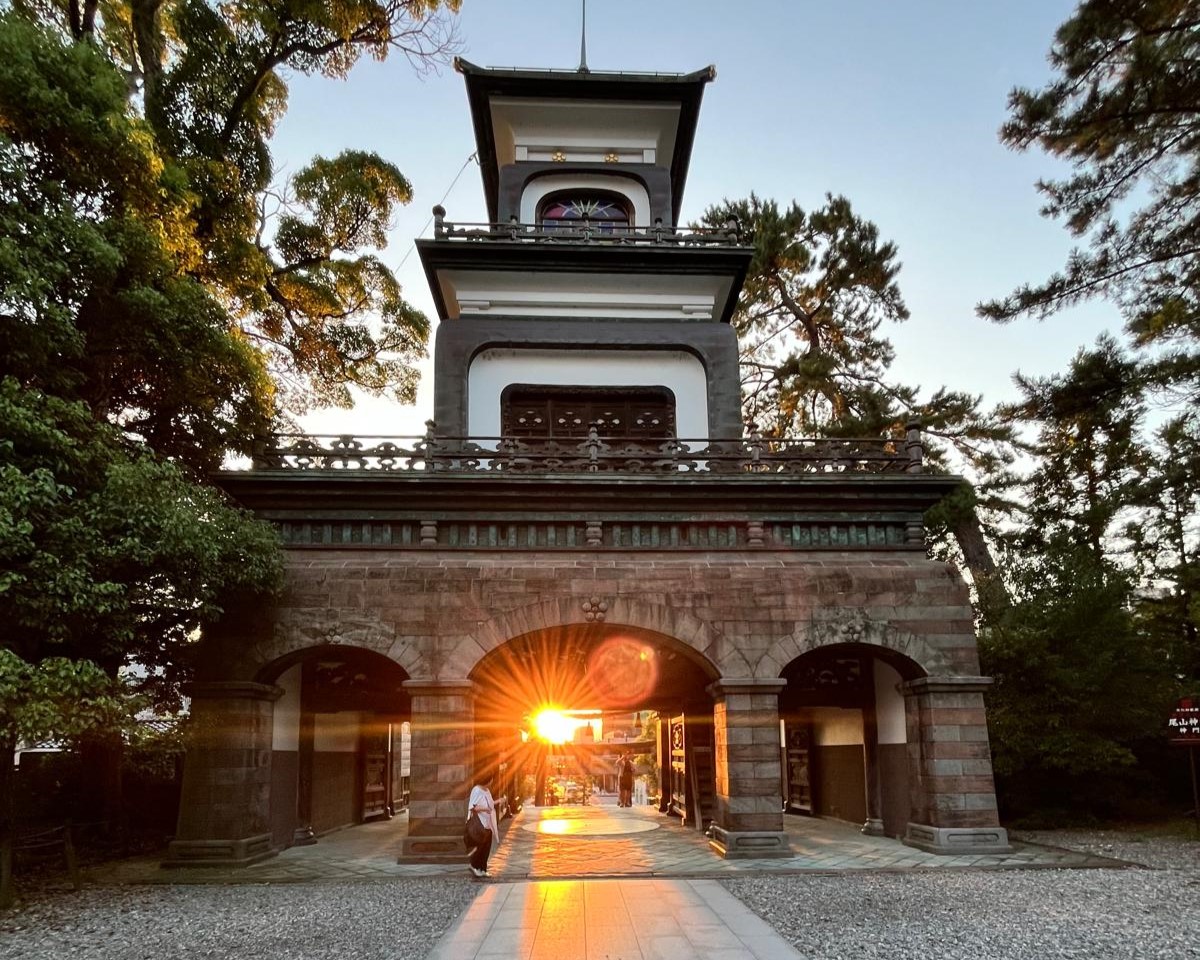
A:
[853,627]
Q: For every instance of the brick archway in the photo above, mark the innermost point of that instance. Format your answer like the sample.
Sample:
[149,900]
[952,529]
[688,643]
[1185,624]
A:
[850,626]
[676,628]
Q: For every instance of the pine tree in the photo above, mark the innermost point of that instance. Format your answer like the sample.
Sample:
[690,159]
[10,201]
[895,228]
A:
[816,362]
[1124,110]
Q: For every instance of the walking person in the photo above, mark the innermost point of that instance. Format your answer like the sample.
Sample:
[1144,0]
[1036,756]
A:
[482,806]
[625,781]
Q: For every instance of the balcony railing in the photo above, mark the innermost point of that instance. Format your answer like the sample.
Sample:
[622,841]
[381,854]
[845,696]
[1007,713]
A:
[586,232]
[434,453]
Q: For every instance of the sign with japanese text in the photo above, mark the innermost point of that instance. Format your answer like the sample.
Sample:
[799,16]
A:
[1183,727]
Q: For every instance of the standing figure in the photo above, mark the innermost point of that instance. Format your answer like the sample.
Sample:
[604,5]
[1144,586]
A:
[481,803]
[625,781]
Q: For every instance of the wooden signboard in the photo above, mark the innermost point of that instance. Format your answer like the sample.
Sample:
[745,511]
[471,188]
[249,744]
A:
[1183,727]
[1183,730]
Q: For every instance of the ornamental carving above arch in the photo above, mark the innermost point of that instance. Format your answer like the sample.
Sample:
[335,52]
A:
[853,625]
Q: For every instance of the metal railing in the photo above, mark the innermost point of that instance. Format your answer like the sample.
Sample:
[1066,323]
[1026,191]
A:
[434,453]
[586,232]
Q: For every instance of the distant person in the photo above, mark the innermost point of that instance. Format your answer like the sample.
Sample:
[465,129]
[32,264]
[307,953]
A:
[625,781]
[481,803]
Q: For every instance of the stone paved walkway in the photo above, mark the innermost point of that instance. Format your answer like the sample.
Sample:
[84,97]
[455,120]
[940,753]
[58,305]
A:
[600,840]
[647,919]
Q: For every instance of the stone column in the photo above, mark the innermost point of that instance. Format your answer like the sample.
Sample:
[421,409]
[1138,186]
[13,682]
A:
[952,795]
[749,814]
[442,769]
[225,807]
[873,827]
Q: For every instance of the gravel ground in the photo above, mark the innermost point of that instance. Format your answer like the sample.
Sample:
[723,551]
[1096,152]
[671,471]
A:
[1097,914]
[1148,849]
[374,920]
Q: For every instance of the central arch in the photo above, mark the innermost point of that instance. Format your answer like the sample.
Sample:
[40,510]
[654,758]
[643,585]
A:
[675,628]
[609,680]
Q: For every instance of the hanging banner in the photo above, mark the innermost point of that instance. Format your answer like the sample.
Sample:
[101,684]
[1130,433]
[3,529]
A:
[1183,727]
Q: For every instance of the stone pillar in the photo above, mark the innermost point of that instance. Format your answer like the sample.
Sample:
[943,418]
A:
[225,806]
[873,826]
[442,769]
[952,793]
[749,814]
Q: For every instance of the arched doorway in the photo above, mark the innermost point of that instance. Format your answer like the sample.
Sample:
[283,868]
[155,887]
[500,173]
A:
[845,735]
[339,740]
[621,690]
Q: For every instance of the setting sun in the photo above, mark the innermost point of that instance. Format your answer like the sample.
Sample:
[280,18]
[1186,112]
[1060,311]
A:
[553,725]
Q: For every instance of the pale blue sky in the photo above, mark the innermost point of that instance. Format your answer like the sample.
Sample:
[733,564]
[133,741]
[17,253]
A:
[894,104]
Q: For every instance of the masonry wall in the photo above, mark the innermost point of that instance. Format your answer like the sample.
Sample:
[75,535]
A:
[748,614]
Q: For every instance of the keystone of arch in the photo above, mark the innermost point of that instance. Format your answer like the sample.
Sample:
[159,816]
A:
[852,626]
[310,629]
[712,648]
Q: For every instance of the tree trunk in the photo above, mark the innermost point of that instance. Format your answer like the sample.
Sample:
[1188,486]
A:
[8,784]
[101,755]
[990,589]
[151,51]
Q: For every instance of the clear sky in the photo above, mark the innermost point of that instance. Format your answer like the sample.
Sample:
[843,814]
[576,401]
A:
[894,103]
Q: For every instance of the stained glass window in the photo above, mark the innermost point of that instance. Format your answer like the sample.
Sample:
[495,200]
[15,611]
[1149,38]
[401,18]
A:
[603,212]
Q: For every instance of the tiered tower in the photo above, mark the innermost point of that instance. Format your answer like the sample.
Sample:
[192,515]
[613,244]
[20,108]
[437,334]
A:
[585,521]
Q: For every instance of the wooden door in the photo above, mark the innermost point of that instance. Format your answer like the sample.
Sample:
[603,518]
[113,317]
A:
[679,779]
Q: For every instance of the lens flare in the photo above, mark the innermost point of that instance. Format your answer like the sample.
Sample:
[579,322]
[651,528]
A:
[622,671]
[553,726]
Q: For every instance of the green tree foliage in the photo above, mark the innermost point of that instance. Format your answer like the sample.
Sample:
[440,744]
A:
[56,698]
[1078,687]
[108,554]
[1165,541]
[1124,110]
[210,78]
[1087,448]
[1098,553]
[819,292]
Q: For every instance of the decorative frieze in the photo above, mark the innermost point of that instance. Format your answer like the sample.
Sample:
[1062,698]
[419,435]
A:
[593,534]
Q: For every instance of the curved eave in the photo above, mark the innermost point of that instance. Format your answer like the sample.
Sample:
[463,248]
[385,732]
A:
[686,89]
[521,255]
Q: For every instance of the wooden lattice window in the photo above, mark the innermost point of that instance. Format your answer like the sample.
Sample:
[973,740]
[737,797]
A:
[539,411]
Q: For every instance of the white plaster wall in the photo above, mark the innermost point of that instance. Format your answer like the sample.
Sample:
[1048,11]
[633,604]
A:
[539,188]
[681,373]
[889,705]
[584,130]
[835,727]
[693,297]
[336,732]
[285,732]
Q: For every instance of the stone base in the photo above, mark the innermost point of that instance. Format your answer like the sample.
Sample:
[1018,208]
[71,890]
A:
[435,849]
[873,828]
[747,844]
[219,853]
[957,840]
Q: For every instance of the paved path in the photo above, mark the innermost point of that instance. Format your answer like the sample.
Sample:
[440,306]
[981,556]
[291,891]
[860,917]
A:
[605,840]
[600,840]
[600,882]
[650,919]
